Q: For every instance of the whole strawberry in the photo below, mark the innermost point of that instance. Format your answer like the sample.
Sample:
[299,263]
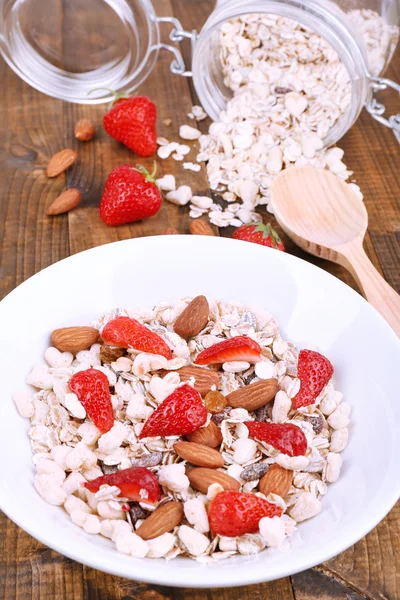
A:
[258,233]
[130,194]
[132,121]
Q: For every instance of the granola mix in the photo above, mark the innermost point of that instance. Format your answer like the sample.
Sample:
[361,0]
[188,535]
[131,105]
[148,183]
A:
[70,452]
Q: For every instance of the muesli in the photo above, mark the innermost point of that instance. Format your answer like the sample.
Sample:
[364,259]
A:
[189,429]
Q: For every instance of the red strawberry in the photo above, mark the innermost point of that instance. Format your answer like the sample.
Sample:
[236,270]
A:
[259,234]
[286,437]
[129,333]
[235,513]
[236,348]
[314,372]
[132,121]
[93,391]
[135,483]
[181,413]
[130,194]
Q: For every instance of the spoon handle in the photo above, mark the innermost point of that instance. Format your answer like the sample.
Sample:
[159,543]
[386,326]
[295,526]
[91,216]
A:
[377,291]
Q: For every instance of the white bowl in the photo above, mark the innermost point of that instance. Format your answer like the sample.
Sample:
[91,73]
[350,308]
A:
[312,307]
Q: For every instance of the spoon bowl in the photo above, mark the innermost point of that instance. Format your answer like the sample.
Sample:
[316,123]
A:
[323,215]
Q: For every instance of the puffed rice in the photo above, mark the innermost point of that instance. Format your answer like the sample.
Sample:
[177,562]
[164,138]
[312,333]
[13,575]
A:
[195,542]
[189,133]
[181,196]
[166,183]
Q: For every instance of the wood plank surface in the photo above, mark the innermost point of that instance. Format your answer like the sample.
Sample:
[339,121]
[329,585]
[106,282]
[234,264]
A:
[32,128]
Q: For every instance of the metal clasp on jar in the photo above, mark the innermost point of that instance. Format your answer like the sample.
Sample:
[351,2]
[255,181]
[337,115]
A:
[377,109]
[177,35]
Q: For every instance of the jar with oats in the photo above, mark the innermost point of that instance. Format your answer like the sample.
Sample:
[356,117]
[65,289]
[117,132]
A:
[306,46]
[66,50]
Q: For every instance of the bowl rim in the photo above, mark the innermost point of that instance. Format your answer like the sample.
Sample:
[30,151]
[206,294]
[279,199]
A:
[170,578]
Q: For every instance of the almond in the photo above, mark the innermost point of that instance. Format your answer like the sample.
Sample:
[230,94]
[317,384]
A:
[60,162]
[162,520]
[193,319]
[276,480]
[110,354]
[254,396]
[65,202]
[74,339]
[204,378]
[198,227]
[170,231]
[201,478]
[207,436]
[84,130]
[200,455]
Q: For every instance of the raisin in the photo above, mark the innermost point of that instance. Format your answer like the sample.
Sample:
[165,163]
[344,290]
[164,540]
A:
[282,90]
[215,402]
[148,460]
[219,417]
[110,354]
[107,469]
[317,423]
[136,512]
[262,413]
[254,472]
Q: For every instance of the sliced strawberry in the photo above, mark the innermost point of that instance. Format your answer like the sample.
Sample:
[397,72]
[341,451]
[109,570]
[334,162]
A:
[182,412]
[135,483]
[129,333]
[93,392]
[235,513]
[314,371]
[286,437]
[240,348]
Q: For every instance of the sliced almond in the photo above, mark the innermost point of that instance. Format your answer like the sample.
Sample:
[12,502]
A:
[254,396]
[204,378]
[60,162]
[162,520]
[84,130]
[201,478]
[74,339]
[193,319]
[199,227]
[207,436]
[276,480]
[200,455]
[65,202]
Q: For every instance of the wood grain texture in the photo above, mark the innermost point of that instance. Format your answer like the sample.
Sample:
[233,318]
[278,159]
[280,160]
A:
[32,128]
[322,215]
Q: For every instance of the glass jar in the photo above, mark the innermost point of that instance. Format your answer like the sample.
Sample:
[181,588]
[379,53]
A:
[69,54]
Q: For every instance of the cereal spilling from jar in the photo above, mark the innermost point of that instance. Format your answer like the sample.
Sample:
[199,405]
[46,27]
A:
[290,89]
[151,426]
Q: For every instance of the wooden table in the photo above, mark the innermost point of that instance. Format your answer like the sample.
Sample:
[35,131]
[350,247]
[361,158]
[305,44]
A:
[33,128]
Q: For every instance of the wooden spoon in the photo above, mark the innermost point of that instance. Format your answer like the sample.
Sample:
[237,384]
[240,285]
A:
[325,217]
